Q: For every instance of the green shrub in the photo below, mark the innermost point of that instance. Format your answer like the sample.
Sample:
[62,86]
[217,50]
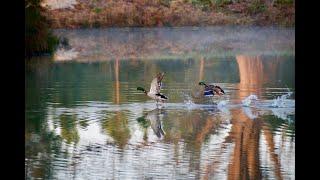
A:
[256,7]
[97,10]
[221,2]
[85,24]
[96,24]
[165,2]
[38,37]
[207,4]
[284,2]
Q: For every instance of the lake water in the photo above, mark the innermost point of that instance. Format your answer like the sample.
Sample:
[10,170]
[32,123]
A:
[86,120]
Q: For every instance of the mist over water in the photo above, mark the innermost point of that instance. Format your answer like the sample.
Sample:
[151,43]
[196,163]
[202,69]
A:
[175,43]
[85,118]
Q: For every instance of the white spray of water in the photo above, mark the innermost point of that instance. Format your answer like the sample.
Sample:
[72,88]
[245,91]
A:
[64,55]
[281,101]
[249,113]
[248,100]
[188,101]
[222,104]
[283,113]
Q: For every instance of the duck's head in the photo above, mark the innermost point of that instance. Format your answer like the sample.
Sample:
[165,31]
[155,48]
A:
[143,122]
[201,83]
[141,89]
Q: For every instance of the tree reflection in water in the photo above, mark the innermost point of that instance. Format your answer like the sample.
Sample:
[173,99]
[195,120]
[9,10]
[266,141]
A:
[106,99]
[117,128]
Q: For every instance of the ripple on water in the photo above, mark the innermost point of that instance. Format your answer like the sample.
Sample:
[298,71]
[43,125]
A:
[86,122]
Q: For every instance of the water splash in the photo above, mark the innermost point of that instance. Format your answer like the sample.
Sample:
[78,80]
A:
[283,113]
[281,101]
[222,104]
[250,113]
[248,100]
[64,55]
[189,103]
[187,100]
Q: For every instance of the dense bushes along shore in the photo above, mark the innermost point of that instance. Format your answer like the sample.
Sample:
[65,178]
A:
[38,37]
[155,13]
[148,13]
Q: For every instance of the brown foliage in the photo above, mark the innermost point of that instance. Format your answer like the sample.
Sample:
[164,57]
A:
[153,13]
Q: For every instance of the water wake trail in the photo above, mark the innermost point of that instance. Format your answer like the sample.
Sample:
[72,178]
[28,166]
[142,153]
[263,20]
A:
[282,101]
[249,100]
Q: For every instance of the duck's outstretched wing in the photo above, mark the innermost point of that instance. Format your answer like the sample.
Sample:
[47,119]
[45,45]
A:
[156,84]
[211,90]
[218,90]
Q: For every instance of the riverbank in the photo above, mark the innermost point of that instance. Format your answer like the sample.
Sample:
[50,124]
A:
[160,13]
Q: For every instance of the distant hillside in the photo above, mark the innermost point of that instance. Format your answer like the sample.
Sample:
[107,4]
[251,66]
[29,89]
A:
[158,13]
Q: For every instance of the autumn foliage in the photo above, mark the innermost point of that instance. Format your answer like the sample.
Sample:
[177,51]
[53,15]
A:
[158,13]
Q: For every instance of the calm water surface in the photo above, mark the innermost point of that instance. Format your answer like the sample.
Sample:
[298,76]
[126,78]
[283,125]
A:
[86,120]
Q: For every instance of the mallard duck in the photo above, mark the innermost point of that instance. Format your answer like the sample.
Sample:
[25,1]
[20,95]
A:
[154,92]
[155,118]
[211,90]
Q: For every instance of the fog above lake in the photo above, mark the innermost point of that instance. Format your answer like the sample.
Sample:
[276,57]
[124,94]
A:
[178,43]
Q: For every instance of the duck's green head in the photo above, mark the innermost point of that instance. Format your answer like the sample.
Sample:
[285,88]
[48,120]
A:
[143,122]
[201,83]
[141,89]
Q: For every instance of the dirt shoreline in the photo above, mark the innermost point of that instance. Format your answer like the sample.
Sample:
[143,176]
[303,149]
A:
[176,13]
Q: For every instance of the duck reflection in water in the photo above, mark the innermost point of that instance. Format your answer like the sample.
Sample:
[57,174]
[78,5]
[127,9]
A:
[154,119]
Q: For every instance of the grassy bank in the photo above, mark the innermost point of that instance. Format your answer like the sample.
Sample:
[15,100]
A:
[158,13]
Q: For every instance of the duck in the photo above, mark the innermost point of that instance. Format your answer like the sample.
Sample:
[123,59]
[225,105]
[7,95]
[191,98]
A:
[155,87]
[211,90]
[154,119]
